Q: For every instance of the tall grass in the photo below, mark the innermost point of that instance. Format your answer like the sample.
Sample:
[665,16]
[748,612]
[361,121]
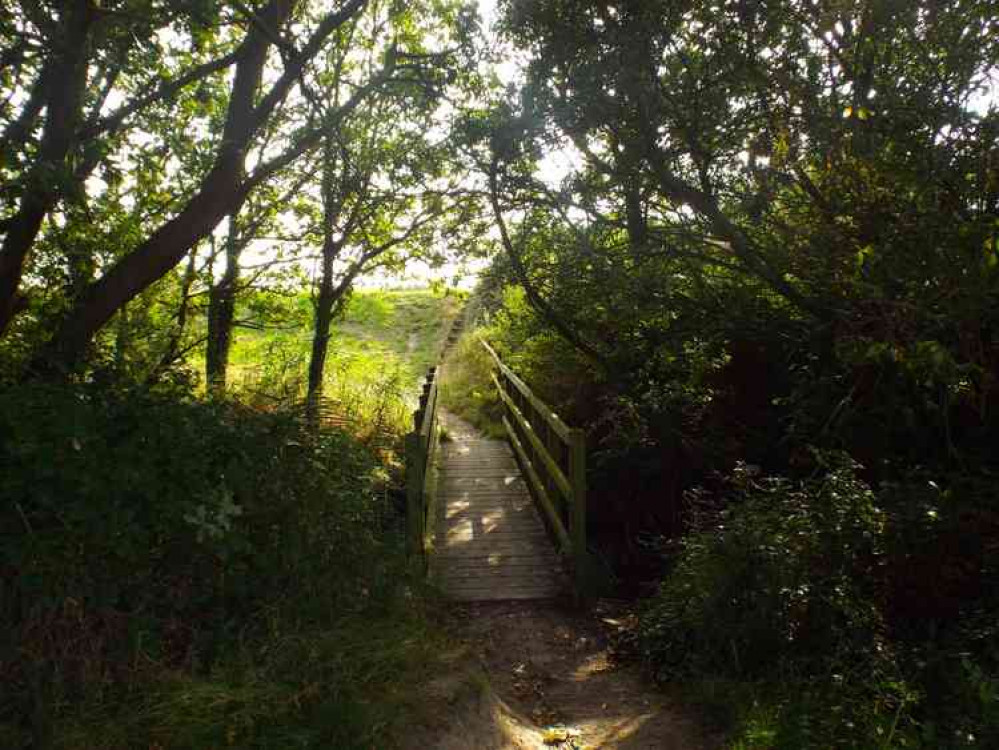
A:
[378,353]
[382,333]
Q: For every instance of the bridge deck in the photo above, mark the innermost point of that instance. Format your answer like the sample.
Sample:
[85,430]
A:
[489,543]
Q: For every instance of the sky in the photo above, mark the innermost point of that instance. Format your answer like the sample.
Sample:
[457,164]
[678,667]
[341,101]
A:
[552,169]
[464,276]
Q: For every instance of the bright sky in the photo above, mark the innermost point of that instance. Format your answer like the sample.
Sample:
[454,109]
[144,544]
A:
[464,276]
[552,168]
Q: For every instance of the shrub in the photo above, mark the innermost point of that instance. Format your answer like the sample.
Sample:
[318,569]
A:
[143,531]
[826,615]
[784,586]
[790,570]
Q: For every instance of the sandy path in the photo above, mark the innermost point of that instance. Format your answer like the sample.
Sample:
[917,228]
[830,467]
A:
[550,666]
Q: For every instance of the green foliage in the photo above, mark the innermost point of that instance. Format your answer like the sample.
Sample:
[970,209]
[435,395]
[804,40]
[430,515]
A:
[788,608]
[466,386]
[768,264]
[783,587]
[787,573]
[202,548]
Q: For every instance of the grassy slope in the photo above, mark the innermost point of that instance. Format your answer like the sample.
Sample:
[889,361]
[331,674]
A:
[383,332]
[466,386]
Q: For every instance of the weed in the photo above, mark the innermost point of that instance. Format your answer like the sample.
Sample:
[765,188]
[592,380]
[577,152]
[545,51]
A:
[467,388]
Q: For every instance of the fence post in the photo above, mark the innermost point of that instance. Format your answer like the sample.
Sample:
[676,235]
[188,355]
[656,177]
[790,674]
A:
[577,528]
[414,499]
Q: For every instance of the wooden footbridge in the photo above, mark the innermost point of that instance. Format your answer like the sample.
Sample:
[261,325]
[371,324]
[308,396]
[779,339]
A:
[496,519]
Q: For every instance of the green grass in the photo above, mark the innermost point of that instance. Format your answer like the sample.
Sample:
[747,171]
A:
[467,389]
[382,333]
[355,685]
[379,352]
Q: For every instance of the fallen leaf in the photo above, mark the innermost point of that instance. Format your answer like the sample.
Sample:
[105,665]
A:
[557,735]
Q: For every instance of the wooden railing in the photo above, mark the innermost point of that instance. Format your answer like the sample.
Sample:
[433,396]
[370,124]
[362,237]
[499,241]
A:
[553,458]
[421,444]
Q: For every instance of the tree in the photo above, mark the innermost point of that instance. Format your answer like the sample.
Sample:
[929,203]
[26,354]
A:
[262,217]
[780,231]
[275,79]
[804,149]
[65,65]
[388,196]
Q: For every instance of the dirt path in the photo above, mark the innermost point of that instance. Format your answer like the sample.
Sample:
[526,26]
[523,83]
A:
[549,667]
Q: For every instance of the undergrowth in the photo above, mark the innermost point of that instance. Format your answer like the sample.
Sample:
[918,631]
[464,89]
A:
[780,619]
[176,573]
[466,387]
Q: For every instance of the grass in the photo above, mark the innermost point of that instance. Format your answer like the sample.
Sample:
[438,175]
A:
[356,684]
[379,352]
[381,332]
[467,389]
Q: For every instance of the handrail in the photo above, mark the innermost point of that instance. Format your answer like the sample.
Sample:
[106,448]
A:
[421,444]
[543,409]
[553,457]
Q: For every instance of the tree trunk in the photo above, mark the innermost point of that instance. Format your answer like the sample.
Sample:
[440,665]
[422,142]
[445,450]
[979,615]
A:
[122,340]
[328,305]
[638,229]
[63,96]
[325,302]
[172,352]
[219,194]
[221,314]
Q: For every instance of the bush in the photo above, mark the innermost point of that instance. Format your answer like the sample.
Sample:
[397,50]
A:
[784,586]
[144,532]
[789,571]
[793,603]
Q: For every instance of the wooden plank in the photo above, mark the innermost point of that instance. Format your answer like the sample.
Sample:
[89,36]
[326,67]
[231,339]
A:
[458,586]
[521,519]
[518,577]
[473,591]
[459,539]
[481,476]
[500,548]
[479,564]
